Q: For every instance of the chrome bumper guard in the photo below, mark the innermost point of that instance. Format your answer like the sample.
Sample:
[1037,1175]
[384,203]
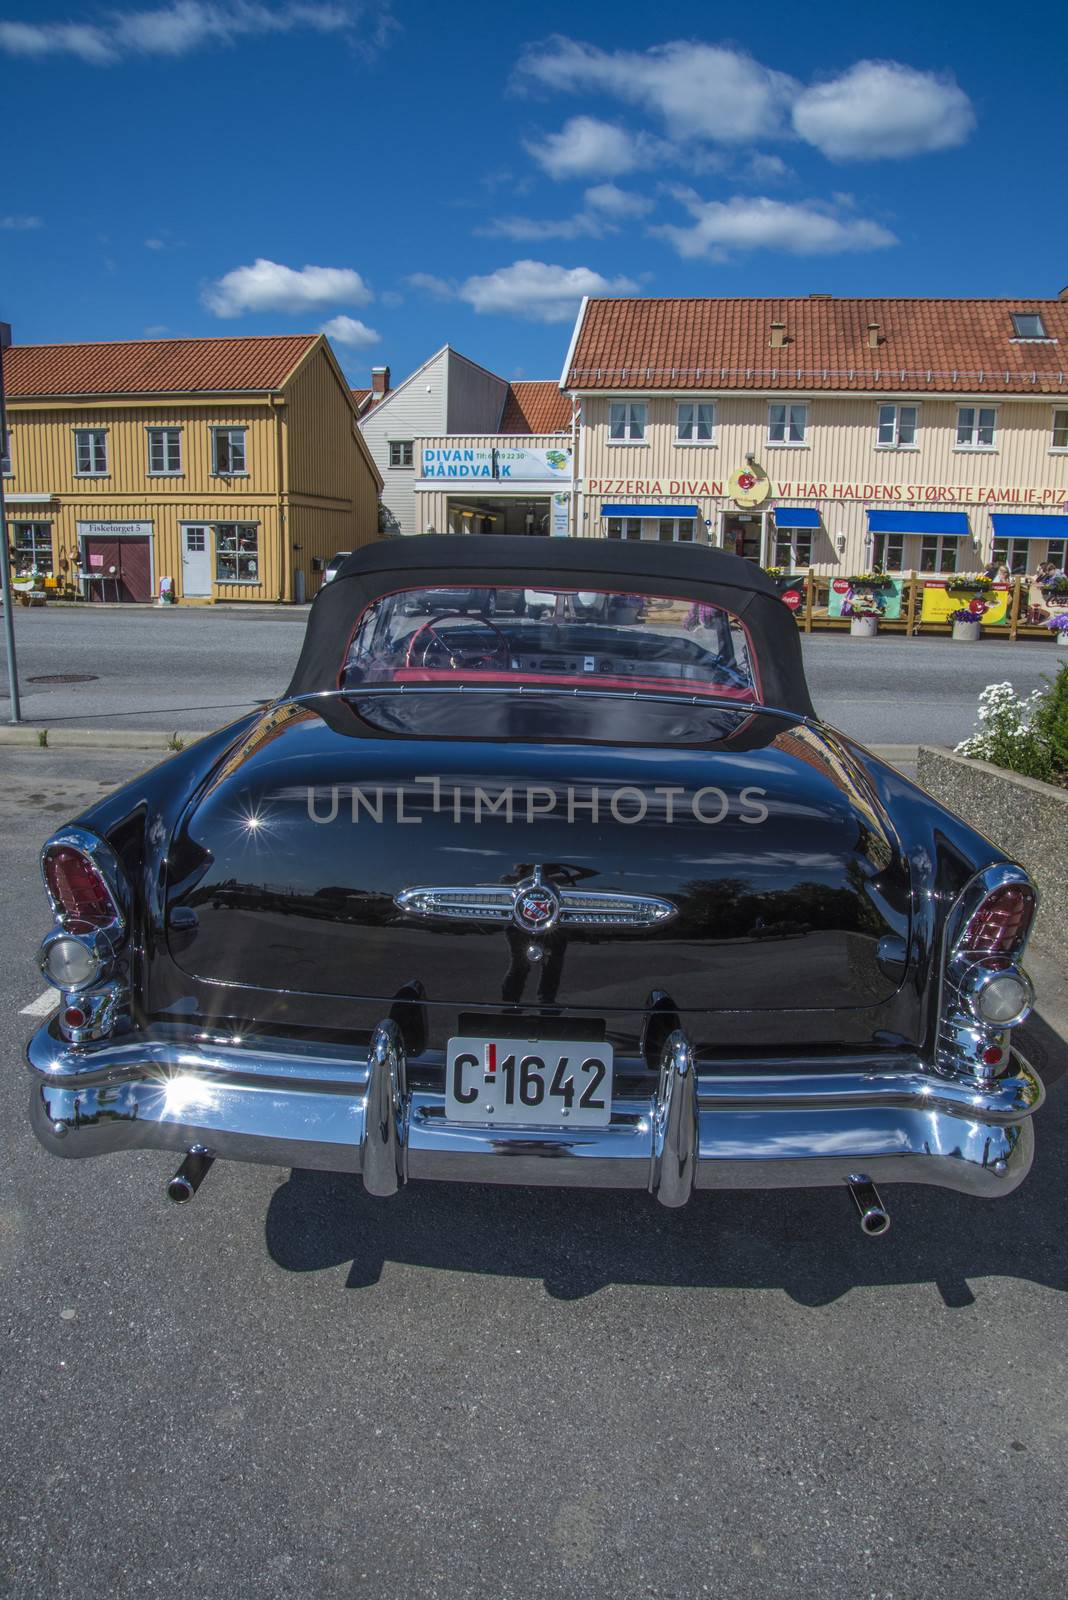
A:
[722,1126]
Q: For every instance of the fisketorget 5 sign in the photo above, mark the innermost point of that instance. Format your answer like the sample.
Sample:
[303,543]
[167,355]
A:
[466,462]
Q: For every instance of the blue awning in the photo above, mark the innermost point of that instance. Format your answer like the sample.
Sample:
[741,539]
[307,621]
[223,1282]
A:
[796,517]
[1029,524]
[649,511]
[951,524]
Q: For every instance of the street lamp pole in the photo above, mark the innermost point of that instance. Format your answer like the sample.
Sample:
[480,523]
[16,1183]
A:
[5,548]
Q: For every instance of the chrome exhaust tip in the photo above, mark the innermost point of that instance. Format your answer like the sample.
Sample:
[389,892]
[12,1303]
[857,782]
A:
[874,1217]
[190,1175]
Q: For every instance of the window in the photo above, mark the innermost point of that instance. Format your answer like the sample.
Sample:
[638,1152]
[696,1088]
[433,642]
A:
[888,552]
[624,528]
[164,452]
[1055,553]
[626,420]
[237,552]
[656,530]
[1060,431]
[695,422]
[975,427]
[400,452]
[897,427]
[228,452]
[938,553]
[1028,325]
[793,547]
[32,549]
[196,540]
[91,452]
[787,424]
[1012,553]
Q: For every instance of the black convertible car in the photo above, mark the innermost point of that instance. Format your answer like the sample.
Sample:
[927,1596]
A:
[578,893]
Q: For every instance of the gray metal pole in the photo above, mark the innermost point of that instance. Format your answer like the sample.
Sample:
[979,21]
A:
[5,557]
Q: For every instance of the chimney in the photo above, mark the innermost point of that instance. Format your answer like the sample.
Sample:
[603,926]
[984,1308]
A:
[778,335]
[380,381]
[874,341]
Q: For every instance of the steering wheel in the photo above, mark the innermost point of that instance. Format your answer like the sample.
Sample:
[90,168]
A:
[431,627]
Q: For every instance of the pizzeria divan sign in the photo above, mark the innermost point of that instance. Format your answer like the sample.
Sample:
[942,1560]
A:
[895,493]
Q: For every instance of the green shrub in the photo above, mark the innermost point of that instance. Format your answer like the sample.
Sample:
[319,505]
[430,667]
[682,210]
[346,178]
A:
[1008,735]
[1051,720]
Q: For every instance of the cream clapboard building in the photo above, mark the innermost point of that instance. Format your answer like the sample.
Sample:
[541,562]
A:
[926,435]
[235,467]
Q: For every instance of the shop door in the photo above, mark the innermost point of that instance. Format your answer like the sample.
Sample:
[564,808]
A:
[196,560]
[118,569]
[742,536]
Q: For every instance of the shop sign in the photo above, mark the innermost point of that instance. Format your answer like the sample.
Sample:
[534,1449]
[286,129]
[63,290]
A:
[467,462]
[904,494]
[792,599]
[887,597]
[748,486]
[992,606]
[114,530]
[561,523]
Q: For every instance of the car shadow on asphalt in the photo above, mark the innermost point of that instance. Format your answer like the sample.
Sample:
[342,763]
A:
[806,1242]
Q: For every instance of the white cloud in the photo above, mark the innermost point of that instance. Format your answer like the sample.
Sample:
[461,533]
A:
[268,286]
[428,283]
[710,91]
[20,224]
[351,332]
[585,147]
[580,226]
[880,109]
[538,291]
[187,25]
[764,168]
[803,229]
[155,244]
[722,95]
[612,201]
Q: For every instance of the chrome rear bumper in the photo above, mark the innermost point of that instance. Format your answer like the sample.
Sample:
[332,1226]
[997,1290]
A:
[727,1126]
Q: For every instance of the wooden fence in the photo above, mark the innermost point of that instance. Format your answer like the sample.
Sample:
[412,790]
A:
[1024,615]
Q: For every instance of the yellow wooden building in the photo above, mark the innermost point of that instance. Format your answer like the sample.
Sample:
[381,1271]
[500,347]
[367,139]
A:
[234,467]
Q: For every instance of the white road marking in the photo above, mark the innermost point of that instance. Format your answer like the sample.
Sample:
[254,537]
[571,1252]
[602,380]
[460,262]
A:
[43,1006]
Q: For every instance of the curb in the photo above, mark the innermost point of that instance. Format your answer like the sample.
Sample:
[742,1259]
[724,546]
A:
[94,738]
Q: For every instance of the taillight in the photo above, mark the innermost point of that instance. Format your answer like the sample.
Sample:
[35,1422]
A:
[82,899]
[1000,925]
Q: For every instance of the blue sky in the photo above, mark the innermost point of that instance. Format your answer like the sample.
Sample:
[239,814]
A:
[409,174]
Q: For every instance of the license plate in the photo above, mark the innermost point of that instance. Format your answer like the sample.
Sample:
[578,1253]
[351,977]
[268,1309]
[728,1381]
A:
[550,1083]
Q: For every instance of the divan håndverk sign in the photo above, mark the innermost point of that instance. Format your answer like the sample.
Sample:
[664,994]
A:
[466,462]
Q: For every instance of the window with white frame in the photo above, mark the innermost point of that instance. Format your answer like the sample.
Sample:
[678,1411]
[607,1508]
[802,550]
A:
[793,547]
[31,549]
[1060,430]
[627,421]
[1012,553]
[897,427]
[1055,553]
[400,452]
[228,458]
[787,424]
[624,528]
[1028,325]
[91,452]
[164,452]
[695,422]
[976,427]
[237,552]
[888,552]
[938,553]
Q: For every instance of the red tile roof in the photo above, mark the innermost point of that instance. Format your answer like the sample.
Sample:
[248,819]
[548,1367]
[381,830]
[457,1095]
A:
[536,406]
[154,366]
[960,346]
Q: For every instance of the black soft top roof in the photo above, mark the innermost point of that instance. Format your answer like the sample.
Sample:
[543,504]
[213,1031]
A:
[692,572]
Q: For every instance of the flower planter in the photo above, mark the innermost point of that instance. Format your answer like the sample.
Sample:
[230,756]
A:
[1062,636]
[966,632]
[864,627]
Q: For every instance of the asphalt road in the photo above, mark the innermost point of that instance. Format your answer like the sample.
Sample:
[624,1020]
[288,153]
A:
[290,1389]
[196,669]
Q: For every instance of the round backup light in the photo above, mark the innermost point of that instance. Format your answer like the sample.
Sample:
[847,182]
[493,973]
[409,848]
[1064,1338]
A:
[69,963]
[74,1017]
[1001,999]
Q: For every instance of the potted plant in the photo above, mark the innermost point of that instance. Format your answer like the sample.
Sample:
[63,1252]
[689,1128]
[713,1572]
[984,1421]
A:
[966,622]
[1058,626]
[969,583]
[1055,588]
[863,610]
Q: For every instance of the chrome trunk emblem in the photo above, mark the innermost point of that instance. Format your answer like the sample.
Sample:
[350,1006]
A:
[536,906]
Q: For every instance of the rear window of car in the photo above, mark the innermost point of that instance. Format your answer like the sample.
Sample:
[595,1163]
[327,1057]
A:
[598,642]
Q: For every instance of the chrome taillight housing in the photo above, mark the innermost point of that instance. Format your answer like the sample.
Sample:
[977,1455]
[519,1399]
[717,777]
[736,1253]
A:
[90,898]
[985,990]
